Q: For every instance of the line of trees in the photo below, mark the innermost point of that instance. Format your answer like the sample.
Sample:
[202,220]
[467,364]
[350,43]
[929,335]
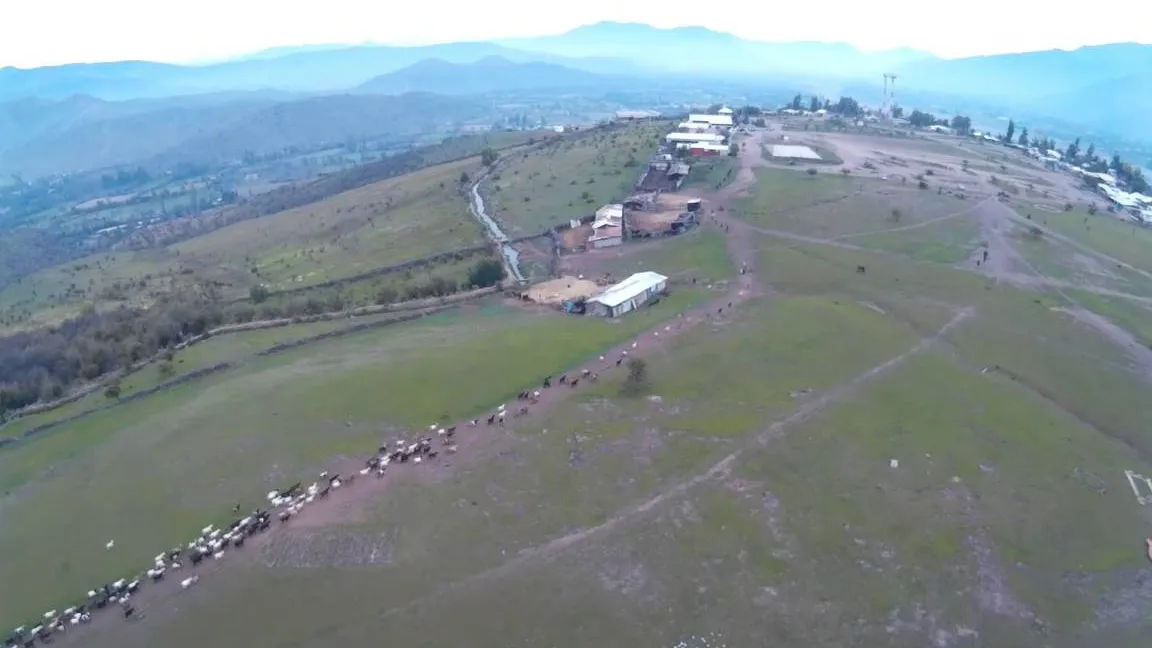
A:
[1089,159]
[846,106]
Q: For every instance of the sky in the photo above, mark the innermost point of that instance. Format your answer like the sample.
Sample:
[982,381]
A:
[52,32]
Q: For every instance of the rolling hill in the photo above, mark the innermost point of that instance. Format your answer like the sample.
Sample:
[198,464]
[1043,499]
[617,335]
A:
[217,133]
[316,69]
[1030,75]
[491,74]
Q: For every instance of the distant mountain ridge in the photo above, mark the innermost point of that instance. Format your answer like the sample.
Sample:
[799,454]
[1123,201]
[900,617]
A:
[84,116]
[317,70]
[490,74]
[698,49]
[214,134]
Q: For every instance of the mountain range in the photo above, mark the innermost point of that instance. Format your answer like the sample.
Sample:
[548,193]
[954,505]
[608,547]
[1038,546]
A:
[83,116]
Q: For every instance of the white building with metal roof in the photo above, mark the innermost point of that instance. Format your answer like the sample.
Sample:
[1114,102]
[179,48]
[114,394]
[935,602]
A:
[688,138]
[628,294]
[715,120]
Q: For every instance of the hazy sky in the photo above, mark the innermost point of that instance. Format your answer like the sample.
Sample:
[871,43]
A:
[49,32]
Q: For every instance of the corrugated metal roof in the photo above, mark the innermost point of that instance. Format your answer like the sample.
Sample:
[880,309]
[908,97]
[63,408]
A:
[706,146]
[694,137]
[629,288]
[715,120]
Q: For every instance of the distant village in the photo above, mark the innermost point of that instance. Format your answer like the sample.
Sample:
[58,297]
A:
[707,134]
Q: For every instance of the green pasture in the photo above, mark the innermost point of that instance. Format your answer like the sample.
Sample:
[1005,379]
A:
[570,177]
[205,445]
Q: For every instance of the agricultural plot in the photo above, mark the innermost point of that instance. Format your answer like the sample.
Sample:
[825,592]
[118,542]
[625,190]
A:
[571,177]
[204,446]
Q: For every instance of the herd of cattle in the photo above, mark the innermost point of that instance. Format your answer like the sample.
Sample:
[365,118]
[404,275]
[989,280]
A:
[213,542]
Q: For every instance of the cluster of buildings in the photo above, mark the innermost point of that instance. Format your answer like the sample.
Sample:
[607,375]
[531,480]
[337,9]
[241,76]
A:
[703,134]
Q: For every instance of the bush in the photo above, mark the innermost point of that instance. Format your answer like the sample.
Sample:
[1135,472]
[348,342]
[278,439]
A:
[487,272]
[637,380]
[811,172]
[258,293]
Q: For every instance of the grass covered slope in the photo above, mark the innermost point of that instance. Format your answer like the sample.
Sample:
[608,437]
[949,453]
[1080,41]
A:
[382,224]
[203,446]
[570,177]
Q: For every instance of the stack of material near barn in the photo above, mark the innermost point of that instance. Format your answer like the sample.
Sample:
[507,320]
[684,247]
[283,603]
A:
[608,228]
[628,294]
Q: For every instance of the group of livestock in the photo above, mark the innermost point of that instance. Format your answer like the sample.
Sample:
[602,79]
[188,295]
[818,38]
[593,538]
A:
[213,542]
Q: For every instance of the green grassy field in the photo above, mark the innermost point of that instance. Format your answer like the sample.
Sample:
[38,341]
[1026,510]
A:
[272,420]
[700,254]
[835,205]
[233,348]
[1103,232]
[592,455]
[571,177]
[712,173]
[808,537]
[821,466]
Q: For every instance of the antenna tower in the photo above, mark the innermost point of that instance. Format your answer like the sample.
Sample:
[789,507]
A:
[889,95]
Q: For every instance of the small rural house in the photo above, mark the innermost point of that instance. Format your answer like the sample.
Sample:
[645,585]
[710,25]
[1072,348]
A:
[628,294]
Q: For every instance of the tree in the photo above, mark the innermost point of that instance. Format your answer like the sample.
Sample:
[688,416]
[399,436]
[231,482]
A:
[637,379]
[386,295]
[847,106]
[961,124]
[488,157]
[258,293]
[814,104]
[797,102]
[1023,141]
[488,272]
[1073,151]
[897,112]
[112,390]
[1011,130]
[733,150]
[464,177]
[1090,154]
[166,370]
